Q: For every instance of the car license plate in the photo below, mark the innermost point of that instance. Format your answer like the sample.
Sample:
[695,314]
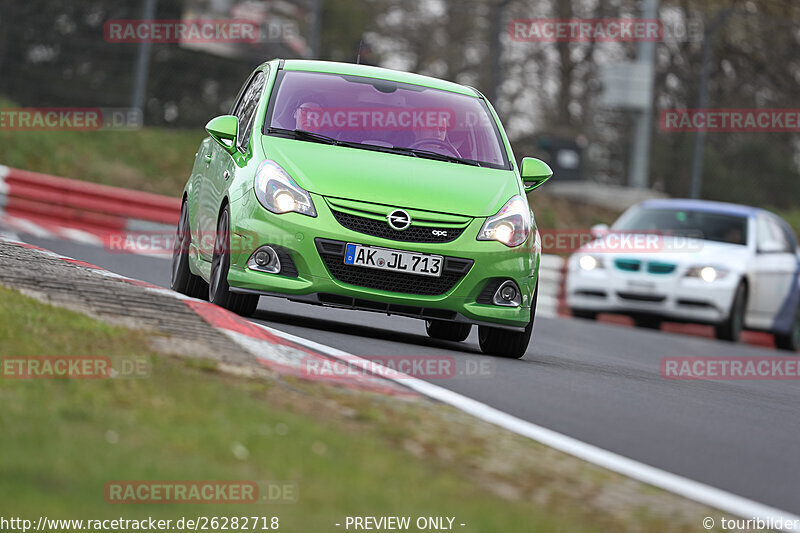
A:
[394,260]
[647,287]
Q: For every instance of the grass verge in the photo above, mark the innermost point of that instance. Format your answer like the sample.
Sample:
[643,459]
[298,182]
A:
[153,160]
[156,160]
[63,440]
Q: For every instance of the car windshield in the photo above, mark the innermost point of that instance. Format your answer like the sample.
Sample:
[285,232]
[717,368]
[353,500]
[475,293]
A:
[398,117]
[688,223]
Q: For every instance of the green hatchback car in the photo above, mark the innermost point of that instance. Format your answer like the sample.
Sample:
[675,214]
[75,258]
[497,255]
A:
[364,188]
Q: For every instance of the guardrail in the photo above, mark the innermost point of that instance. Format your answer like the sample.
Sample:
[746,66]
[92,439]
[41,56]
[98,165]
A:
[552,273]
[24,194]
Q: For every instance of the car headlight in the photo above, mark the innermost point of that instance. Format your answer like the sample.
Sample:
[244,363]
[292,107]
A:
[278,192]
[590,262]
[511,225]
[706,273]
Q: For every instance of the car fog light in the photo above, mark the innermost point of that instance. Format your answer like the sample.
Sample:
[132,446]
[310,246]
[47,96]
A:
[507,294]
[265,259]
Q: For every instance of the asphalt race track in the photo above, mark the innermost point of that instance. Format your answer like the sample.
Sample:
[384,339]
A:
[599,383]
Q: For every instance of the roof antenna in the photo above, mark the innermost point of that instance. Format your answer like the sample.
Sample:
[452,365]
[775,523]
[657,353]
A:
[358,57]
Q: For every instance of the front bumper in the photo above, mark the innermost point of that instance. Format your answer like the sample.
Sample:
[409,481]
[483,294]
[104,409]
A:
[671,296]
[300,237]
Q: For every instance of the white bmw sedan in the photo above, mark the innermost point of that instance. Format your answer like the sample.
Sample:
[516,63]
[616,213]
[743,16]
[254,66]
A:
[731,266]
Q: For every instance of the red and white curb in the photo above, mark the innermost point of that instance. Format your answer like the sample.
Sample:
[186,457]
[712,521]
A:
[270,348]
[279,351]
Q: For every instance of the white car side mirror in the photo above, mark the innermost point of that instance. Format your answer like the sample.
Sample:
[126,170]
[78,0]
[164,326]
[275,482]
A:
[599,230]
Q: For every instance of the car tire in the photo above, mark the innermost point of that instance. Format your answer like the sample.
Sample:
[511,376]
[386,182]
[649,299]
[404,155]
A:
[581,313]
[219,292]
[790,341]
[731,328]
[181,279]
[505,343]
[447,331]
[647,322]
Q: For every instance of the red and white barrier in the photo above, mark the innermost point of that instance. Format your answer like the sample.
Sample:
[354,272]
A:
[32,195]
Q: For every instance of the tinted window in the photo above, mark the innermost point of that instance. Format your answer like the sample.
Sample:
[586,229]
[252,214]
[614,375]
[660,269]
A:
[246,108]
[388,114]
[699,224]
[769,231]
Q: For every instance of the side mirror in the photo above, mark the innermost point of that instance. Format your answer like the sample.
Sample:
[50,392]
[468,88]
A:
[224,129]
[599,230]
[534,173]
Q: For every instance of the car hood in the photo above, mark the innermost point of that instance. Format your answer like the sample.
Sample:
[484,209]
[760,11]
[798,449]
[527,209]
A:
[676,250]
[390,179]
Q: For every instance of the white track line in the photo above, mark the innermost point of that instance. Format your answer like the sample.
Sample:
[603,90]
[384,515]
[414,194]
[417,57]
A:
[26,226]
[80,236]
[8,236]
[693,490]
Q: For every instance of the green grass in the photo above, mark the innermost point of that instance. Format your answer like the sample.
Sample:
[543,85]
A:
[151,159]
[63,440]
[156,160]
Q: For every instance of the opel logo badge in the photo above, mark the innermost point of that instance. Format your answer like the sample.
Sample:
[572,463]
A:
[399,219]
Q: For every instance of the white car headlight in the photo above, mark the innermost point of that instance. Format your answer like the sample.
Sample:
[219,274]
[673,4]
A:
[590,262]
[511,225]
[278,192]
[706,273]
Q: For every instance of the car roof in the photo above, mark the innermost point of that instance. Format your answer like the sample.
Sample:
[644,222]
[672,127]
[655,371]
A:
[369,71]
[703,205]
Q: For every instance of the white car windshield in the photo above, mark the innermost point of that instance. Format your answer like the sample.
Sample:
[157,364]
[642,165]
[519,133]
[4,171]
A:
[705,225]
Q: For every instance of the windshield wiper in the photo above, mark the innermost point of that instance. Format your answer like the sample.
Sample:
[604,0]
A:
[318,137]
[305,135]
[428,154]
[401,150]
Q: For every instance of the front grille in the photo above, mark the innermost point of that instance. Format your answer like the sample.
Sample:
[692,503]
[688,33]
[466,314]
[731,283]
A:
[382,229]
[591,294]
[654,298]
[694,303]
[332,254]
[661,268]
[288,268]
[487,294]
[628,265]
